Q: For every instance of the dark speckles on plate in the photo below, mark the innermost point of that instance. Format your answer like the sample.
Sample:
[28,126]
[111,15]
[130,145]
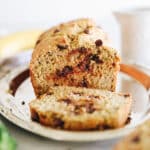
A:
[23,103]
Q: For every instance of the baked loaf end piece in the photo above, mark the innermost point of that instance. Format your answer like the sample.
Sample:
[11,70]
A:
[62,61]
[74,108]
[139,139]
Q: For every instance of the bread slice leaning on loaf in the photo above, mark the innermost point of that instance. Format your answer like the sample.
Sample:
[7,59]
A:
[73,57]
[74,108]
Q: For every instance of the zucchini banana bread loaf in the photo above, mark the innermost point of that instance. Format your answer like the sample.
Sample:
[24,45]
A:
[74,108]
[74,58]
[137,140]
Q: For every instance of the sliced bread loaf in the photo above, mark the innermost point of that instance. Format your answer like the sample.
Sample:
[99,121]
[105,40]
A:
[74,108]
[91,66]
[73,56]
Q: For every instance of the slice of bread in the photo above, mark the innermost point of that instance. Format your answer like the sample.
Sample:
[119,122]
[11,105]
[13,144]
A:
[74,58]
[74,108]
[139,139]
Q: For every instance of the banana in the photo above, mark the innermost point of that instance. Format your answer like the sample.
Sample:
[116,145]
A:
[17,42]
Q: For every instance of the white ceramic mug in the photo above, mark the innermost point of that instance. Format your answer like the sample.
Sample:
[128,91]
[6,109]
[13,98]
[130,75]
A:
[135,33]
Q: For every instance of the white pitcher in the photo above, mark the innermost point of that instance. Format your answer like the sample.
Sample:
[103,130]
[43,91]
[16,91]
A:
[135,33]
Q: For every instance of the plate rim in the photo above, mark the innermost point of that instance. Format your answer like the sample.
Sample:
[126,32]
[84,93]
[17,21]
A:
[71,136]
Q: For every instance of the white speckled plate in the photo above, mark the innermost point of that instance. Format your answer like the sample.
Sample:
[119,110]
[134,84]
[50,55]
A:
[16,109]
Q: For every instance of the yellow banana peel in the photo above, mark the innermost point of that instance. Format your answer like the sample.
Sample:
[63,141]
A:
[17,42]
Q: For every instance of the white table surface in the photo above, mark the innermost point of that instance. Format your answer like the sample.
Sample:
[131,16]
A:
[29,141]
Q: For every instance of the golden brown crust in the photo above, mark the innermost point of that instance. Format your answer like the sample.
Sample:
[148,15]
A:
[73,108]
[71,27]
